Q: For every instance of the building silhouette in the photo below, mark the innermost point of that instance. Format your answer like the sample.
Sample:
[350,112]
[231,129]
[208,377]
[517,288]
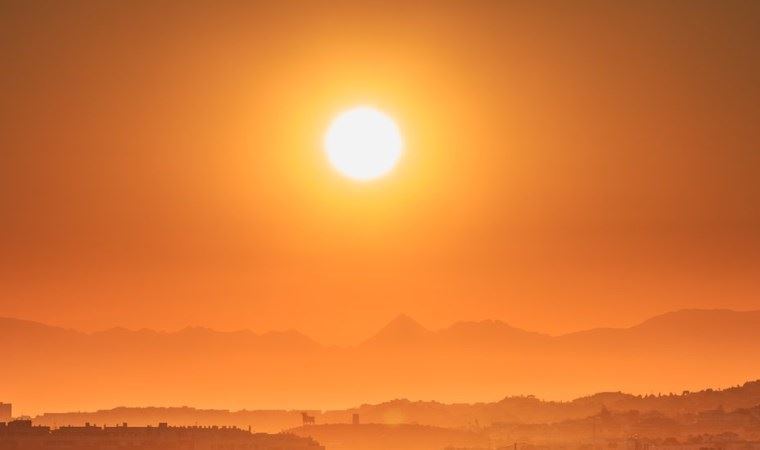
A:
[6,412]
[307,419]
[22,435]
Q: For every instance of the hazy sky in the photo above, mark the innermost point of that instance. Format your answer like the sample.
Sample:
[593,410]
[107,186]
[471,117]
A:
[567,164]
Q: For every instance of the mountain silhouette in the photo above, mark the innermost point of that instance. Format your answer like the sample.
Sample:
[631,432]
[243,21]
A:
[467,361]
[403,330]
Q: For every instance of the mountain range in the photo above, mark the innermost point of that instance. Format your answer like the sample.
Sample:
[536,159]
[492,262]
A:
[49,368]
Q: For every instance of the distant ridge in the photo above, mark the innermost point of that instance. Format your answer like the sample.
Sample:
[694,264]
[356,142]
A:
[466,361]
[404,326]
[9,326]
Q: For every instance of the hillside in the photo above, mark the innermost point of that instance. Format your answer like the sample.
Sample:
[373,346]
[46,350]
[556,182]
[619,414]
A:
[510,410]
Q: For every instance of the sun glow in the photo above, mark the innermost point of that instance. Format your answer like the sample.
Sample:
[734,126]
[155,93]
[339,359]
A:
[363,143]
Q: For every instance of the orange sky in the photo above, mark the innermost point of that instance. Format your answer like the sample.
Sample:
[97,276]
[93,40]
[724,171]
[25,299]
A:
[567,165]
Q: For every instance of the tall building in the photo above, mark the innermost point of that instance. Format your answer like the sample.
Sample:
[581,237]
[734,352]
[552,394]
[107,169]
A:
[6,411]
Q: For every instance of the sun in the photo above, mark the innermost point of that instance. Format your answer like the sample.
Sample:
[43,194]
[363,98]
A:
[363,143]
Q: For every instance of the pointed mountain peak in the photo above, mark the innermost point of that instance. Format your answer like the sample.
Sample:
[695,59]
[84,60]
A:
[404,322]
[401,330]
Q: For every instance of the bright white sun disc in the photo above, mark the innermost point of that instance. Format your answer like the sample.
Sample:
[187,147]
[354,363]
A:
[363,143]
